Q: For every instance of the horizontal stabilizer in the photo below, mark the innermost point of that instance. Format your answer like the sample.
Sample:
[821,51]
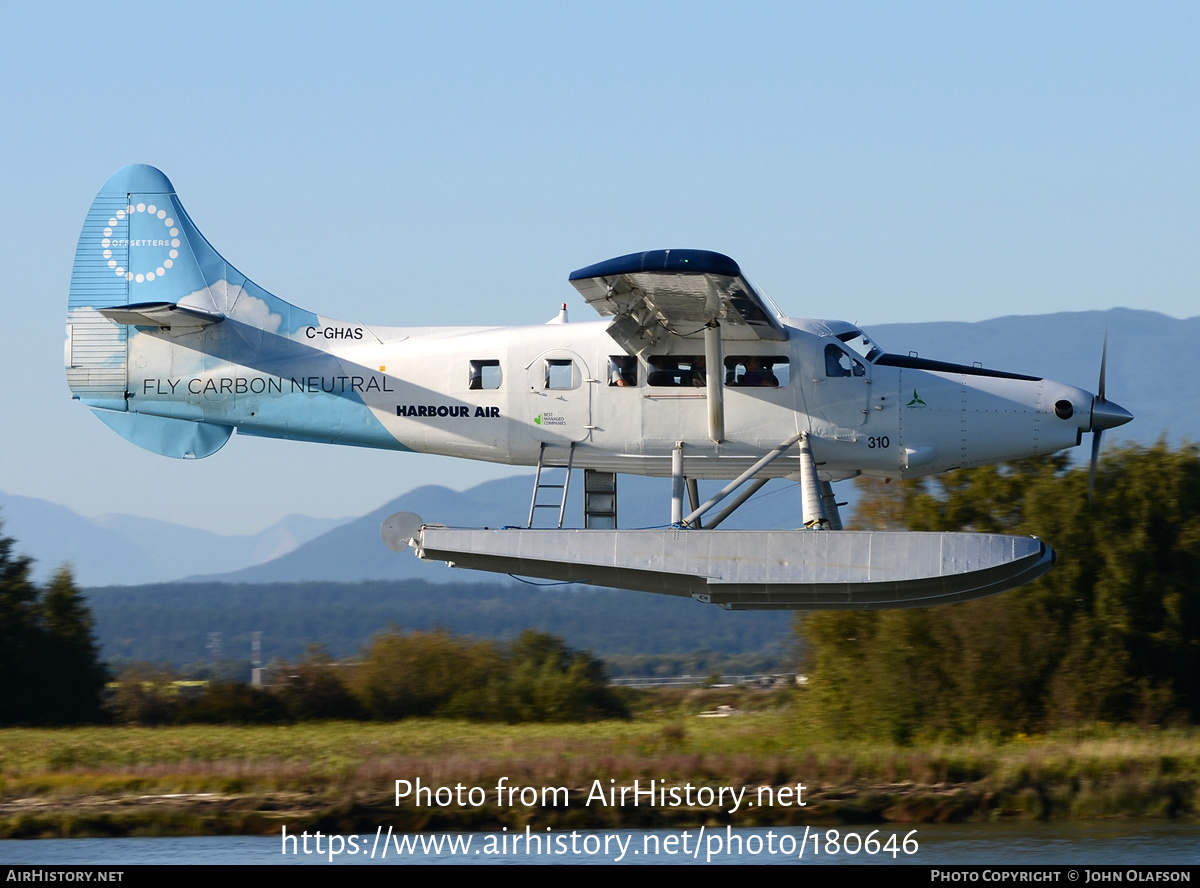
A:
[164,315]
[757,569]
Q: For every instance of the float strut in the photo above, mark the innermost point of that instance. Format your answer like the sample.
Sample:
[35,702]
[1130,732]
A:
[810,488]
[750,489]
[692,520]
[677,484]
[831,506]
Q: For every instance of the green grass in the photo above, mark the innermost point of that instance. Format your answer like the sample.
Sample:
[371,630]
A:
[66,781]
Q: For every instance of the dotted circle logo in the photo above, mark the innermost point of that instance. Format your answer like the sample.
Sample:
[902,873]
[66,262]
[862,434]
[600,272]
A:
[171,239]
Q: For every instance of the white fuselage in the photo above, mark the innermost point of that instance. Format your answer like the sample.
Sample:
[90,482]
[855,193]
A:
[500,393]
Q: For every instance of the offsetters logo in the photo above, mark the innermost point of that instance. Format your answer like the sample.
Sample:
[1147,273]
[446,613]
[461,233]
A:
[170,242]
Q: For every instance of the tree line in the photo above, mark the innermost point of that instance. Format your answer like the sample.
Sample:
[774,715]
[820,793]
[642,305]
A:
[1111,634]
[50,670]
[536,678]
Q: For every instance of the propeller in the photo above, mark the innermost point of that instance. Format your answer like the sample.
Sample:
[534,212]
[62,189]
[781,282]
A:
[1105,415]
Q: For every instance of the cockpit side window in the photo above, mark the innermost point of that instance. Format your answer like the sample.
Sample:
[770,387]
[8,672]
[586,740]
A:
[838,363]
[484,375]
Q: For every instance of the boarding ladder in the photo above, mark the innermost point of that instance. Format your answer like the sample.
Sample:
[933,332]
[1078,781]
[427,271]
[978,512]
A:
[599,500]
[539,485]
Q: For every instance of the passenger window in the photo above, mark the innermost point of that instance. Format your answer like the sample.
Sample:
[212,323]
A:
[838,363]
[676,370]
[484,375]
[622,370]
[768,371]
[560,373]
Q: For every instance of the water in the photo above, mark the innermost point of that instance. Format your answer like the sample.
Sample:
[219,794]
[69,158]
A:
[1088,843]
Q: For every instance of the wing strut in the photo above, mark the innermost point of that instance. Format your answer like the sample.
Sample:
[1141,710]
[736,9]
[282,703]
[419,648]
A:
[715,374]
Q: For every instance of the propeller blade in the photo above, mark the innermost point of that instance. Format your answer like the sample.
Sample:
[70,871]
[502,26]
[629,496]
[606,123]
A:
[1092,471]
[1103,364]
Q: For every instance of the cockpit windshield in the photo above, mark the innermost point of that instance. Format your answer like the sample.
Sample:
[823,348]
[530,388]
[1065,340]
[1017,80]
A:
[857,341]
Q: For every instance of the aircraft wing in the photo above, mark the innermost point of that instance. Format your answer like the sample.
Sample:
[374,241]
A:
[662,293]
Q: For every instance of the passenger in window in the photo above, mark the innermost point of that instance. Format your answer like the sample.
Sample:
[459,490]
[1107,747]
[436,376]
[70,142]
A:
[622,370]
[668,370]
[666,373]
[758,373]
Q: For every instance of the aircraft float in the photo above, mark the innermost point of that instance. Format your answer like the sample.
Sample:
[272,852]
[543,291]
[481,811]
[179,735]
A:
[691,373]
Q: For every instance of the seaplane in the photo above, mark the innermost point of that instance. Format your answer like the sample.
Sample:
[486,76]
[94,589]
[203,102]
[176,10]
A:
[689,372]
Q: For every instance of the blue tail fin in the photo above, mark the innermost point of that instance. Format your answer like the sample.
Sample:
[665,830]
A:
[173,347]
[139,259]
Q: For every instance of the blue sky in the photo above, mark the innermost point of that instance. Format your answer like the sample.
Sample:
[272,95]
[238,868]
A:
[425,164]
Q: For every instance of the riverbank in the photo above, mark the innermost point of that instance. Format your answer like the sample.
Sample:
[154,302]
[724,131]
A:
[747,769]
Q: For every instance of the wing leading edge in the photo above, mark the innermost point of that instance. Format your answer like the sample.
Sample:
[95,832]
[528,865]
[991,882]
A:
[662,293]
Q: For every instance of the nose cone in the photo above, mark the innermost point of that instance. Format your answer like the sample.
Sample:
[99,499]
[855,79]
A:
[1108,415]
